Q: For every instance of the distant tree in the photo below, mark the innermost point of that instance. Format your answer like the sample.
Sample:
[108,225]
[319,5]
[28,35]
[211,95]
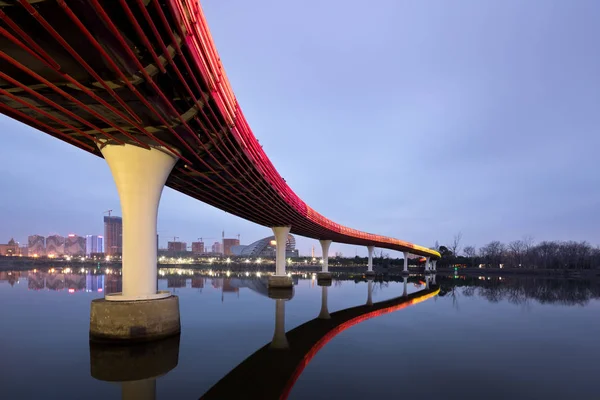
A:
[455,245]
[471,253]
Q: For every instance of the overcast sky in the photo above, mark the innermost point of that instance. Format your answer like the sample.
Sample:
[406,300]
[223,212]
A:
[414,119]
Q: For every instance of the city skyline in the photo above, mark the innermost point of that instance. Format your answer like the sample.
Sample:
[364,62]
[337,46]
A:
[496,110]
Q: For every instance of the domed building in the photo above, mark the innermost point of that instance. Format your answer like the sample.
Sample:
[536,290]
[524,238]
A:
[265,248]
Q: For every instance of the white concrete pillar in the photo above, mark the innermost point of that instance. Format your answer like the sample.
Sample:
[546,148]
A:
[370,262]
[406,261]
[405,291]
[370,293]
[427,265]
[140,176]
[279,339]
[427,282]
[324,313]
[434,265]
[433,279]
[281,234]
[325,247]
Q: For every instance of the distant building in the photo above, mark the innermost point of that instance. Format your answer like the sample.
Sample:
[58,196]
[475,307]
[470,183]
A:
[75,245]
[198,248]
[55,245]
[113,235]
[36,245]
[216,248]
[176,247]
[94,244]
[266,248]
[228,244]
[10,249]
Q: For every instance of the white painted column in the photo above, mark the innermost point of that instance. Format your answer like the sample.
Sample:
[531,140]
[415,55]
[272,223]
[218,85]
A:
[140,176]
[324,314]
[427,265]
[279,339]
[406,261]
[434,265]
[370,293]
[281,234]
[325,247]
[370,262]
[405,291]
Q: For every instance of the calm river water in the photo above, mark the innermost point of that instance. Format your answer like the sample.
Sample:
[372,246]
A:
[478,338]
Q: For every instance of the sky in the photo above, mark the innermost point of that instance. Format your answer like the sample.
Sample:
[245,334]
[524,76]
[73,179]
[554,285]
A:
[413,119]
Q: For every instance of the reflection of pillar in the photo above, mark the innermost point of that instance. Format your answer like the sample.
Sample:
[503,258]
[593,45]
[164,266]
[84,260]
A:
[427,282]
[142,390]
[427,265]
[433,278]
[324,314]
[370,261]
[404,292]
[434,266]
[370,294]
[405,262]
[136,366]
[279,340]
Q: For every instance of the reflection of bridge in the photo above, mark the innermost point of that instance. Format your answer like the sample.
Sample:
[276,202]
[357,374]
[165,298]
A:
[270,373]
[140,83]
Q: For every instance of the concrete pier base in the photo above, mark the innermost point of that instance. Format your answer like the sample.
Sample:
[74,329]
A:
[280,281]
[134,321]
[281,293]
[370,274]
[323,276]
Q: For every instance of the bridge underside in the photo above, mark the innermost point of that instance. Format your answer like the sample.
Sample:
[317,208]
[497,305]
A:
[146,73]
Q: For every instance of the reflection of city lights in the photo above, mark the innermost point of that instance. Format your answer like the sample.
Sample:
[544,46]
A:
[82,270]
[314,276]
[228,273]
[67,270]
[259,260]
[35,256]
[99,289]
[228,260]
[82,258]
[51,270]
[67,258]
[289,274]
[34,271]
[247,260]
[258,274]
[71,290]
[107,258]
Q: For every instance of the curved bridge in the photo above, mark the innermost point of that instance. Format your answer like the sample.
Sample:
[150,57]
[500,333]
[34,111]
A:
[96,73]
[270,373]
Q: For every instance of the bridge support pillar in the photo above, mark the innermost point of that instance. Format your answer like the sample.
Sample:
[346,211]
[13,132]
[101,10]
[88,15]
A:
[405,271]
[325,274]
[370,292]
[370,261]
[434,265]
[427,265]
[280,279]
[140,312]
[404,291]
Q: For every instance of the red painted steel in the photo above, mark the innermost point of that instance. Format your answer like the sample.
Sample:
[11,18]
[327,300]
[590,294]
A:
[222,162]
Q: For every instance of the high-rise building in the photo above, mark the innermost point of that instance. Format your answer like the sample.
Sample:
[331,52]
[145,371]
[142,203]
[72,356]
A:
[216,248]
[75,245]
[36,245]
[113,235]
[55,245]
[176,246]
[94,244]
[198,247]
[227,244]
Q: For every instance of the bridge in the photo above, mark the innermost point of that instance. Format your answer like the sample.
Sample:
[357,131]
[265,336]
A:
[140,83]
[269,373]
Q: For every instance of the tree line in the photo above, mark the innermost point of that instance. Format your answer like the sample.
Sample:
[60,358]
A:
[523,253]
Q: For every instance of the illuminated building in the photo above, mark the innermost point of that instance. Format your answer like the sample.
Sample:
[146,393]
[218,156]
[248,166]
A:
[36,245]
[10,249]
[75,245]
[55,245]
[216,248]
[94,244]
[266,248]
[198,247]
[176,246]
[228,244]
[113,235]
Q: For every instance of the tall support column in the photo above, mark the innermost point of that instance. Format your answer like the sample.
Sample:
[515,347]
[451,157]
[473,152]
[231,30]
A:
[280,279]
[405,271]
[325,274]
[370,292]
[140,175]
[433,279]
[427,265]
[427,282]
[279,339]
[370,260]
[404,291]
[434,265]
[324,313]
